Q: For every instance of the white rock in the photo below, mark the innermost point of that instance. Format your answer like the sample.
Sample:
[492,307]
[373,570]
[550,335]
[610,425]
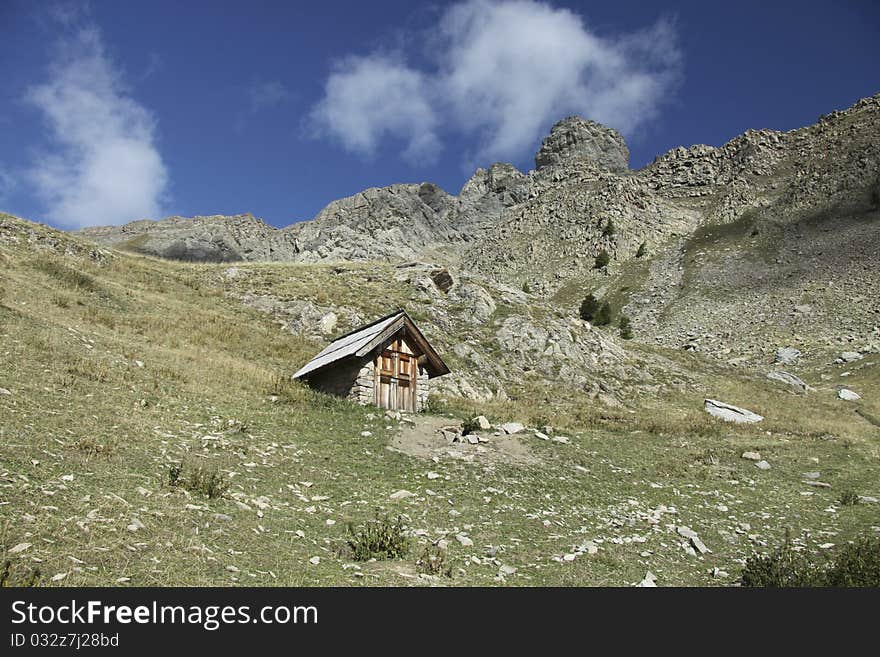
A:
[464,540]
[649,581]
[541,436]
[432,475]
[58,577]
[569,557]
[21,547]
[315,561]
[512,427]
[561,439]
[366,434]
[762,465]
[507,570]
[752,456]
[4,391]
[731,413]
[482,422]
[848,395]
[401,494]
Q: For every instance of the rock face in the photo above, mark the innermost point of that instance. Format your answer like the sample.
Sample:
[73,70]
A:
[574,138]
[731,413]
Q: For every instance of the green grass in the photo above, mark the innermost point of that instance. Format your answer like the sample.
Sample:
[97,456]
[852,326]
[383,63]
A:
[165,367]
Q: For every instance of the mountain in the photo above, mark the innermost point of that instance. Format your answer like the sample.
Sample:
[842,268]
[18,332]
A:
[150,432]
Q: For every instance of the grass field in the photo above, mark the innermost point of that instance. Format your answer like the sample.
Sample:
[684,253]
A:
[121,369]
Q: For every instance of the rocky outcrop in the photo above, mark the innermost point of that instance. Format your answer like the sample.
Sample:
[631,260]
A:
[574,138]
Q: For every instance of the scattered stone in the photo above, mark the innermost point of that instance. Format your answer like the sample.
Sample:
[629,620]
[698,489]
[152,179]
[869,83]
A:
[867,499]
[649,581]
[512,427]
[21,547]
[731,413]
[817,484]
[464,540]
[222,517]
[315,561]
[718,573]
[812,475]
[507,570]
[366,434]
[787,355]
[541,436]
[4,391]
[751,456]
[561,439]
[691,535]
[482,422]
[58,577]
[569,557]
[401,494]
[473,438]
[848,395]
[432,475]
[762,465]
[848,357]
[135,525]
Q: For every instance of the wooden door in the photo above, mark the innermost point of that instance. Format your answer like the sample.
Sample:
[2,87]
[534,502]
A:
[396,376]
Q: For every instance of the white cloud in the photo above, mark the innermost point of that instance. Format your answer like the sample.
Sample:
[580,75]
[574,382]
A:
[367,99]
[103,166]
[503,72]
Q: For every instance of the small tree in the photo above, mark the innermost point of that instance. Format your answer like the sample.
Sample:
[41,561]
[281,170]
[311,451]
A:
[602,259]
[625,328]
[589,306]
[603,315]
[609,229]
[643,250]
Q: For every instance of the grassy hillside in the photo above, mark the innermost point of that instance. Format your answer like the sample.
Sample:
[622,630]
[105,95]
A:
[124,371]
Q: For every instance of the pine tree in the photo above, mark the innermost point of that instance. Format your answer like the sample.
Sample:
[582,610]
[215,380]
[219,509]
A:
[602,259]
[643,250]
[603,315]
[609,229]
[589,306]
[625,327]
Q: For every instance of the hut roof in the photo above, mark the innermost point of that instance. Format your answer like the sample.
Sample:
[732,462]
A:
[363,340]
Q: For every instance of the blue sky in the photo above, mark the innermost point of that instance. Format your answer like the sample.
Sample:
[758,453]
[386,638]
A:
[114,111]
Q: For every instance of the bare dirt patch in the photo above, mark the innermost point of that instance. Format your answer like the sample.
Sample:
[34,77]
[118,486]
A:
[425,440]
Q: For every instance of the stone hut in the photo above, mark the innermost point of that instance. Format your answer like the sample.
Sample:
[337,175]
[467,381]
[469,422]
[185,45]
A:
[388,363]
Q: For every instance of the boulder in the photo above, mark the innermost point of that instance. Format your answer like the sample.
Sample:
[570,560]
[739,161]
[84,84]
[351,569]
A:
[512,427]
[730,413]
[482,422]
[848,395]
[789,379]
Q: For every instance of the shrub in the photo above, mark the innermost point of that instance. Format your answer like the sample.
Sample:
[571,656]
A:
[433,562]
[21,577]
[603,316]
[381,538]
[204,480]
[602,259]
[625,327]
[642,250]
[609,229]
[470,426]
[857,564]
[588,308]
[849,498]
[784,567]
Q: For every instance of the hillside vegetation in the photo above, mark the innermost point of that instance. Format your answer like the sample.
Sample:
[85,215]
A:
[150,435]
